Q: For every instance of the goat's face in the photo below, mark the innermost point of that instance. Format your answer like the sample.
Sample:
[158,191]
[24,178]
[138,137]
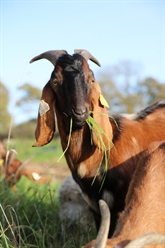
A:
[71,81]
[72,93]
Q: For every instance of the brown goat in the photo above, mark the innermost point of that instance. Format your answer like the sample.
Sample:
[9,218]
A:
[73,93]
[145,204]
[12,168]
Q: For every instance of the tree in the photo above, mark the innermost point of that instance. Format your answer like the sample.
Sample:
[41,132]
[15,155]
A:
[125,92]
[5,117]
[25,129]
[29,100]
[30,94]
[151,90]
[119,83]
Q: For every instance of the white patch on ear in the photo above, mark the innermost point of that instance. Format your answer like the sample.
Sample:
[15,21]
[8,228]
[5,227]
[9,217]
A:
[44,107]
[36,176]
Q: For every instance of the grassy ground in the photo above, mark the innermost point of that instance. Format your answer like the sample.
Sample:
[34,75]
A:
[29,217]
[49,153]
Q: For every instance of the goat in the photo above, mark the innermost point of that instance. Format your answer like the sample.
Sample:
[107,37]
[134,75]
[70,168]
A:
[12,168]
[73,94]
[144,213]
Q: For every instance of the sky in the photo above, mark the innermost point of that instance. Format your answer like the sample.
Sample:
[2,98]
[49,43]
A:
[112,31]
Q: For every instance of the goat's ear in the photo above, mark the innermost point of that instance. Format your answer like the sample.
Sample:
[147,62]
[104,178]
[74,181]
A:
[46,118]
[100,115]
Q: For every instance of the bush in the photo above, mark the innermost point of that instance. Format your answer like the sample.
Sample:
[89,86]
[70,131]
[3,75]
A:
[24,130]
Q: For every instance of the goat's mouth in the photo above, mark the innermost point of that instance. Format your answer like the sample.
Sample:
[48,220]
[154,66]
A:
[79,118]
[79,122]
[78,125]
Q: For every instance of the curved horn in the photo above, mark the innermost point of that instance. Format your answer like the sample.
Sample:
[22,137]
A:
[22,165]
[12,156]
[147,239]
[51,55]
[87,55]
[104,227]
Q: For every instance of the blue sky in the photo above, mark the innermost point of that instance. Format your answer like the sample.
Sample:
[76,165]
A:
[111,30]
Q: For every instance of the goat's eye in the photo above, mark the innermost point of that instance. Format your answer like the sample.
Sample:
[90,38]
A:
[55,81]
[92,81]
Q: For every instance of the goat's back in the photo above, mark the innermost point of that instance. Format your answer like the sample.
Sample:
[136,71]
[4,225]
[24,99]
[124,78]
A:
[145,202]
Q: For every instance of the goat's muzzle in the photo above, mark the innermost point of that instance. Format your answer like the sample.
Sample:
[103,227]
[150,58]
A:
[79,116]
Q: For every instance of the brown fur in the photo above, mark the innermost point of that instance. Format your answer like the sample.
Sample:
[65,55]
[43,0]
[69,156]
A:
[145,202]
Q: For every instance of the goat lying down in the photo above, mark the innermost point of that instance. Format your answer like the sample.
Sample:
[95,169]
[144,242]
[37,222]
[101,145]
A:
[144,213]
[73,93]
[13,169]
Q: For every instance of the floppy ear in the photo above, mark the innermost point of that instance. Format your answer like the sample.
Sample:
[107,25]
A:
[46,118]
[100,115]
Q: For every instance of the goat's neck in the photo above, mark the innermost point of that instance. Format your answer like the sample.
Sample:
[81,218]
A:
[82,157]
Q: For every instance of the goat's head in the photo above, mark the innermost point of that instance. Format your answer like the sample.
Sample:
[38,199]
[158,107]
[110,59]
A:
[71,92]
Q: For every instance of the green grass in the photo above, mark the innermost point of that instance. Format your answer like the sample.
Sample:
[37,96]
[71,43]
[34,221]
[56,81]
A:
[29,218]
[49,153]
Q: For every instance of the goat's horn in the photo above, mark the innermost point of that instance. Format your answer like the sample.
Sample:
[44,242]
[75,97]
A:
[12,156]
[147,239]
[51,55]
[87,55]
[23,164]
[104,227]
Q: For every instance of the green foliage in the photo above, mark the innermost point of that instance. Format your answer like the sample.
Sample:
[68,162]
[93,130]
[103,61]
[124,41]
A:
[5,117]
[124,91]
[27,104]
[151,90]
[25,129]
[48,154]
[29,218]
[30,94]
